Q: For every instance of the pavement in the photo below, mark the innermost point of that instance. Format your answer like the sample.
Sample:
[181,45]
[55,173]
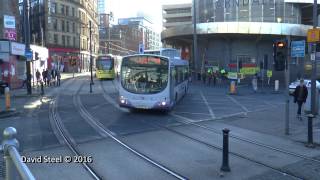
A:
[19,97]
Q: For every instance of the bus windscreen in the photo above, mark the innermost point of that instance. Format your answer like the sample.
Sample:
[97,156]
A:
[144,74]
[104,63]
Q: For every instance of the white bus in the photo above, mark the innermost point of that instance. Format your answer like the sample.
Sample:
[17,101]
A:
[168,52]
[152,81]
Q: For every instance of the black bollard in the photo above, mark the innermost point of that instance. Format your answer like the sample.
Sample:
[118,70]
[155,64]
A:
[310,132]
[42,90]
[225,152]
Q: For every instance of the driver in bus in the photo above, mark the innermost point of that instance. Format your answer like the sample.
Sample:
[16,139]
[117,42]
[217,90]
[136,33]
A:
[142,82]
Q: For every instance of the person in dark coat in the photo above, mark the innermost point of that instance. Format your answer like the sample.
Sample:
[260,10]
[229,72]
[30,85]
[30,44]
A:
[300,96]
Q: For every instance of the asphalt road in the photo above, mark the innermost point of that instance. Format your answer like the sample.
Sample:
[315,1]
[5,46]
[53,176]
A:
[173,139]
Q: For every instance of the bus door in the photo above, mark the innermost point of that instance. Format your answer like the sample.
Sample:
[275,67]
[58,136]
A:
[172,83]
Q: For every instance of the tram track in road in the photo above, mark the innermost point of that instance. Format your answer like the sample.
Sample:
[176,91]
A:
[64,136]
[276,169]
[106,132]
[187,121]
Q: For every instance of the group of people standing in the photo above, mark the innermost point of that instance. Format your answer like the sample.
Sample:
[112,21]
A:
[49,77]
[214,76]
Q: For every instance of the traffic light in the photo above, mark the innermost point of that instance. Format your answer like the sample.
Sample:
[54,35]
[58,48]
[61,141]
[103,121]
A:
[279,54]
[265,62]
[240,64]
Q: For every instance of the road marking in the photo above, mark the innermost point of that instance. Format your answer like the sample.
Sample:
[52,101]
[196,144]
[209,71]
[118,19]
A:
[238,103]
[182,112]
[185,119]
[207,104]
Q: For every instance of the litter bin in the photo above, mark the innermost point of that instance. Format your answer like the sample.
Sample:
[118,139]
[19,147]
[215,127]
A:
[3,85]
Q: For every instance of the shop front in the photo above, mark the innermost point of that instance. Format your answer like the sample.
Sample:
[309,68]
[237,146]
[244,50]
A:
[64,59]
[12,64]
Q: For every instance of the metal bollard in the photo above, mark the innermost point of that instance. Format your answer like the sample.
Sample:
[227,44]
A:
[7,95]
[276,85]
[42,88]
[233,88]
[225,152]
[310,132]
[14,165]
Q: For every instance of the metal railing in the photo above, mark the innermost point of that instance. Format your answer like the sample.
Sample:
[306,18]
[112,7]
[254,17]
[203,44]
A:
[14,164]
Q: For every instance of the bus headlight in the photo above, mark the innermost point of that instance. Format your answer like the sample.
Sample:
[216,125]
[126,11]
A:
[163,103]
[122,100]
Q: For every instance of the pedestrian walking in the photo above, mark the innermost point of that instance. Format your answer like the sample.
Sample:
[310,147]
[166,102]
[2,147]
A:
[38,76]
[204,77]
[209,75]
[44,76]
[49,77]
[214,78]
[53,75]
[255,83]
[300,96]
[58,78]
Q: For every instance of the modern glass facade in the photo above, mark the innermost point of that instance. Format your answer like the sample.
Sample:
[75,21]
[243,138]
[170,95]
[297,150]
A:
[248,11]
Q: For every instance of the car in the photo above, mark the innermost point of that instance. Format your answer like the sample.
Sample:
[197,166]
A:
[307,82]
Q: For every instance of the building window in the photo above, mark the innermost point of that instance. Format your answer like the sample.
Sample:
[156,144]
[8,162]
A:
[67,26]
[73,27]
[73,12]
[55,39]
[53,8]
[67,10]
[62,9]
[63,40]
[68,41]
[55,24]
[74,42]
[62,25]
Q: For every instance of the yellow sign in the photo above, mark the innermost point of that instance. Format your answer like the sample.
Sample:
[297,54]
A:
[269,73]
[249,70]
[313,35]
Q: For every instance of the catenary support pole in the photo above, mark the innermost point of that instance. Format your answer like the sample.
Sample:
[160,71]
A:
[287,77]
[314,67]
[26,24]
[195,40]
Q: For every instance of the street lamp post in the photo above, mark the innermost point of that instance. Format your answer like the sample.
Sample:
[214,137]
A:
[26,12]
[314,68]
[110,16]
[91,77]
[195,45]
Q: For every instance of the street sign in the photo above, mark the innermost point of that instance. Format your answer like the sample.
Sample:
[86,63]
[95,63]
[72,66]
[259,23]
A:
[313,35]
[313,56]
[141,48]
[298,48]
[29,55]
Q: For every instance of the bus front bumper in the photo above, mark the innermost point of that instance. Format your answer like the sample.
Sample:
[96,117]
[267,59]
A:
[150,105]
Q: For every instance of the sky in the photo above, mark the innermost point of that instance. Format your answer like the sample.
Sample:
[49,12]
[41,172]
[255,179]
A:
[152,9]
